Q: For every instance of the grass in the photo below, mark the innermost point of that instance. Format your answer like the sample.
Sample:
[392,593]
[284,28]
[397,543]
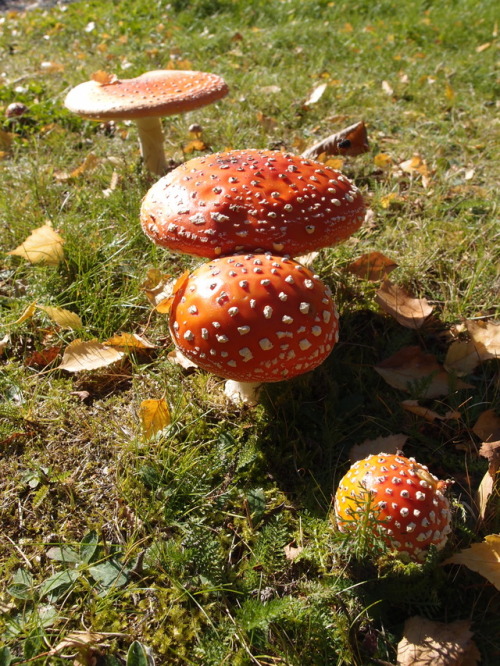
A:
[178,543]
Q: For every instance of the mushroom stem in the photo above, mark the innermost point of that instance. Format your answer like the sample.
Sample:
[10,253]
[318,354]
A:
[151,144]
[242,392]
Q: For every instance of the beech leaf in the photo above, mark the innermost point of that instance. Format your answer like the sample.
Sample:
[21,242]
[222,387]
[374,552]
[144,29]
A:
[352,140]
[429,643]
[62,317]
[428,414]
[104,78]
[177,358]
[129,341]
[372,266]
[487,426]
[389,444]
[406,310]
[411,365]
[27,314]
[90,355]
[484,558]
[154,416]
[464,356]
[43,246]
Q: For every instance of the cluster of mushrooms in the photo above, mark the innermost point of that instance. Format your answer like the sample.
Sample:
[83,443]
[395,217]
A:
[251,313]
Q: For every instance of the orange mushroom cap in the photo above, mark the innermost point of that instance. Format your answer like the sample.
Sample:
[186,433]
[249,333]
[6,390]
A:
[161,92]
[251,201]
[254,318]
[406,500]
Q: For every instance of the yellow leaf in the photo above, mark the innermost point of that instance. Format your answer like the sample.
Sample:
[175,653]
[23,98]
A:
[6,139]
[62,317]
[196,144]
[483,47]
[80,355]
[484,344]
[43,246]
[89,163]
[335,163]
[484,558]
[27,314]
[391,200]
[129,341]
[316,94]
[154,415]
[382,160]
[449,93]
[408,311]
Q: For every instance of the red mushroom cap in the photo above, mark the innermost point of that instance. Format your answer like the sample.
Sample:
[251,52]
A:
[254,318]
[251,201]
[161,92]
[406,500]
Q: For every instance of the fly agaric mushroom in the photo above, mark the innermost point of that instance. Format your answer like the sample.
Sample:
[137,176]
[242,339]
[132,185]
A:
[405,500]
[145,99]
[251,201]
[253,318]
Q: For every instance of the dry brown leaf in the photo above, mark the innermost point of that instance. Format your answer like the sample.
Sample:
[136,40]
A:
[389,444]
[43,246]
[6,139]
[62,317]
[195,144]
[352,141]
[410,365]
[4,342]
[154,416]
[372,266]
[51,67]
[78,640]
[429,643]
[408,311]
[487,426]
[484,558]
[89,163]
[41,359]
[483,493]
[416,165]
[484,344]
[90,355]
[157,286]
[104,78]
[428,414]
[491,451]
[292,552]
[462,357]
[129,341]
[316,94]
[307,259]
[391,200]
[177,358]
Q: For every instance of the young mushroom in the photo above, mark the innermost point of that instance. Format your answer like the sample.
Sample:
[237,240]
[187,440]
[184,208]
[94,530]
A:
[146,99]
[253,318]
[405,500]
[251,201]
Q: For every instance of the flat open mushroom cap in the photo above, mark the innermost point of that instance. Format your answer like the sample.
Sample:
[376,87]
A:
[251,201]
[157,93]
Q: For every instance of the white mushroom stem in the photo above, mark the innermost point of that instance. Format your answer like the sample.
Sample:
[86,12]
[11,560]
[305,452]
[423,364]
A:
[242,392]
[151,144]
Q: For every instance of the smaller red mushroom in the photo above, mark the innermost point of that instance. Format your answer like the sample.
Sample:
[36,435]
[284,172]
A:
[406,501]
[253,318]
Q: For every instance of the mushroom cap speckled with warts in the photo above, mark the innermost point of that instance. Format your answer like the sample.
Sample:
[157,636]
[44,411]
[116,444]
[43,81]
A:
[406,500]
[251,201]
[253,318]
[156,93]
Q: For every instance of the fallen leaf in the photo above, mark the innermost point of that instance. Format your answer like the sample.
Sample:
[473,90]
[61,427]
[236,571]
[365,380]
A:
[416,165]
[483,47]
[428,414]
[387,88]
[429,643]
[491,451]
[316,94]
[389,444]
[50,67]
[4,343]
[195,144]
[104,78]
[382,160]
[391,200]
[154,416]
[484,558]
[113,184]
[157,286]
[129,341]
[352,141]
[483,493]
[307,259]
[43,246]
[292,552]
[412,366]
[41,359]
[90,355]
[372,266]
[487,426]
[78,639]
[62,317]
[408,311]
[89,163]
[27,314]
[177,358]
[267,122]
[6,139]
[464,356]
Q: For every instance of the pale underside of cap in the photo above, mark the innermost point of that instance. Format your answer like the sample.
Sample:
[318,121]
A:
[156,93]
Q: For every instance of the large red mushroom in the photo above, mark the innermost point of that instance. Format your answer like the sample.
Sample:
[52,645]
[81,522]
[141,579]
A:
[253,318]
[404,499]
[251,201]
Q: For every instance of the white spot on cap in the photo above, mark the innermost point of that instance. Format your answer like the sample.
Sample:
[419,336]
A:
[326,316]
[243,330]
[232,312]
[222,338]
[204,333]
[268,312]
[316,330]
[188,335]
[286,319]
[192,309]
[304,307]
[246,354]
[265,344]
[282,296]
[304,344]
